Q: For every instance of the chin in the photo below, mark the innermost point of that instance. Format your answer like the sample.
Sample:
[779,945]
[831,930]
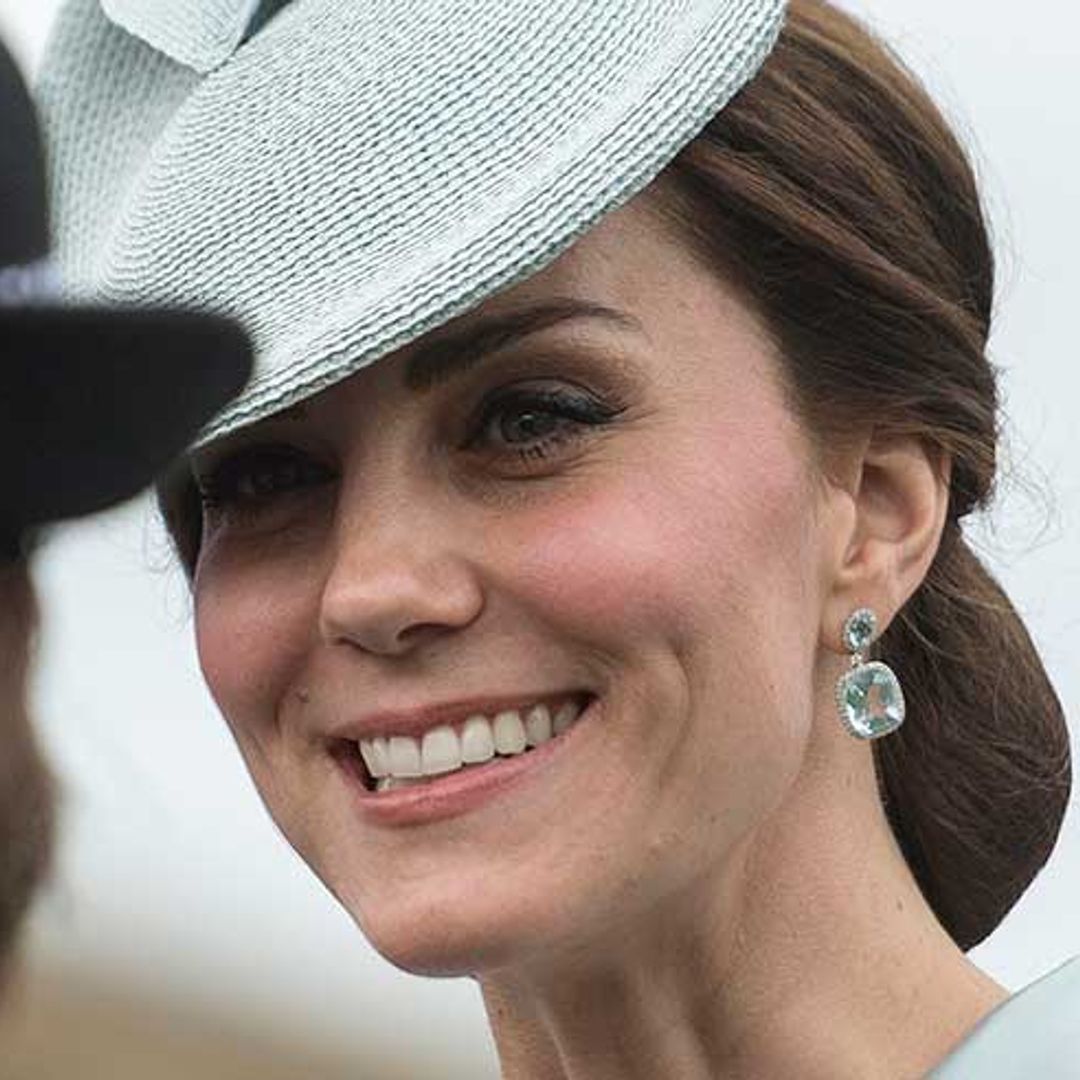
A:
[421,940]
[428,925]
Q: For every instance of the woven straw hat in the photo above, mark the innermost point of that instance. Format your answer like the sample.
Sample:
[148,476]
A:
[345,175]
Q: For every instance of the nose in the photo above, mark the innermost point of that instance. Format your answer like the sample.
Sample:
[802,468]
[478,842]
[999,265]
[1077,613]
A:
[396,581]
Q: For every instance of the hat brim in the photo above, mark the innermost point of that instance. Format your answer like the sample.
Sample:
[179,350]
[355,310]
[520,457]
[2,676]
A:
[355,176]
[95,402]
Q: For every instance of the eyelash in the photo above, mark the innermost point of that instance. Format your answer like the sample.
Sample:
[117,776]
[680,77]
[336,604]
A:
[581,411]
[220,486]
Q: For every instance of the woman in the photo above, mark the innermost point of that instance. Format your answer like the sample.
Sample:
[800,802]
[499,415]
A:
[546,637]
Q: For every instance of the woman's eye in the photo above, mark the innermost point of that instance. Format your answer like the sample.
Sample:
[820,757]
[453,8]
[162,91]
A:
[257,476]
[533,423]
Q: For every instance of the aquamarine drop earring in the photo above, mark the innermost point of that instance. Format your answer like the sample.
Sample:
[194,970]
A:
[868,697]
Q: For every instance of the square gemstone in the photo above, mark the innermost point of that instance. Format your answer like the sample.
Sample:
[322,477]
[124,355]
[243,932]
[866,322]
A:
[870,700]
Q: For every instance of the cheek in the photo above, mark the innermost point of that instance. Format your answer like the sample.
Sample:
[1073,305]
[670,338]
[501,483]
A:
[253,624]
[687,545]
[690,575]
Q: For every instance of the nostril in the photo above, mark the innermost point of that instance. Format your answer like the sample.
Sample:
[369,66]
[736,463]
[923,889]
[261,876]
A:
[395,602]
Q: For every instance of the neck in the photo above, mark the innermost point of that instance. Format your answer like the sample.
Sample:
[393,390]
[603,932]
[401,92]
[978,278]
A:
[803,959]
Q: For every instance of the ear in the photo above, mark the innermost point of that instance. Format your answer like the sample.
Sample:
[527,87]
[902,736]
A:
[888,500]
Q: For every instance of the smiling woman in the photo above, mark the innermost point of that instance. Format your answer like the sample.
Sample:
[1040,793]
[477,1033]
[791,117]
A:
[583,468]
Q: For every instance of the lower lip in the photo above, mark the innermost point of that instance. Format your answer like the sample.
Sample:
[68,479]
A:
[457,792]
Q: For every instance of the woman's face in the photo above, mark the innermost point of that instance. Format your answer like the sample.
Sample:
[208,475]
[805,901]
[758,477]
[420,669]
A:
[616,507]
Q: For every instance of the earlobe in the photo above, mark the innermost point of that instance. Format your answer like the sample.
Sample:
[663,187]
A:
[897,498]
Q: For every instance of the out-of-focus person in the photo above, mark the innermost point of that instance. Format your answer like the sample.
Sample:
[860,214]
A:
[94,402]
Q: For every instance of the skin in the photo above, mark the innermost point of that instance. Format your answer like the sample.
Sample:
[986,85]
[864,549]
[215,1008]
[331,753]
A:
[706,886]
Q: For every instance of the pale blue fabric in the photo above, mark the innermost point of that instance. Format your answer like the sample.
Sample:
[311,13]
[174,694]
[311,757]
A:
[358,173]
[198,33]
[1034,1035]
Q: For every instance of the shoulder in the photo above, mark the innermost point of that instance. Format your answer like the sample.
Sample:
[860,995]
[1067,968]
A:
[1035,1033]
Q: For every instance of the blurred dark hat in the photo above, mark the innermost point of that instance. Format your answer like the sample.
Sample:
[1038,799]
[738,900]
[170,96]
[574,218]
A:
[94,402]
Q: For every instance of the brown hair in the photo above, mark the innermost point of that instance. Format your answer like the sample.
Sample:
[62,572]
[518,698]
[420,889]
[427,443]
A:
[26,787]
[831,192]
[833,195]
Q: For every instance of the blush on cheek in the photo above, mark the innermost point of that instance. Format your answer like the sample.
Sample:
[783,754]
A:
[596,559]
[664,539]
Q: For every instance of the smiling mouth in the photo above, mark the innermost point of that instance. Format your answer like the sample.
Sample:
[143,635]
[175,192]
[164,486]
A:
[390,762]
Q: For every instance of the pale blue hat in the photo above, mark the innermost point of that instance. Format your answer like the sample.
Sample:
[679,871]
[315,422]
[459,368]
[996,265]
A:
[348,174]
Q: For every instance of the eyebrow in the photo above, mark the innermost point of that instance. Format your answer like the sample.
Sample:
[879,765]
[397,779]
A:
[455,353]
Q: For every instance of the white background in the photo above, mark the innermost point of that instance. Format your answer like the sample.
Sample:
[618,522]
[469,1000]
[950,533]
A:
[171,872]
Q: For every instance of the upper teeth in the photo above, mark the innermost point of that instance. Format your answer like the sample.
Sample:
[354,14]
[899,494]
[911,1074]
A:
[442,749]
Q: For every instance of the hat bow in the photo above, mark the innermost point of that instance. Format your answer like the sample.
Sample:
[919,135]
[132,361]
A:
[200,34]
